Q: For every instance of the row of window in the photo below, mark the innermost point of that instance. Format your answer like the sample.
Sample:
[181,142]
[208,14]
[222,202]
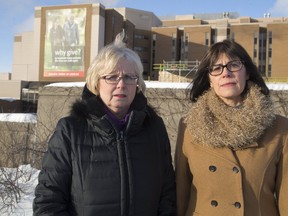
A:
[259,54]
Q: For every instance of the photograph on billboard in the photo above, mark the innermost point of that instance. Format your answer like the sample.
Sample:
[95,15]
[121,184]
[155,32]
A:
[64,45]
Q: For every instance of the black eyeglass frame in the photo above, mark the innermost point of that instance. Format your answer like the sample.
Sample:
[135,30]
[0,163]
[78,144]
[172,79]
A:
[227,66]
[125,78]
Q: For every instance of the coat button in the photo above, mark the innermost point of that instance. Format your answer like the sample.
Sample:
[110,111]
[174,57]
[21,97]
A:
[214,203]
[212,168]
[235,170]
[237,205]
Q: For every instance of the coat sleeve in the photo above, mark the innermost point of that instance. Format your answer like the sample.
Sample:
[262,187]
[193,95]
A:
[167,206]
[183,175]
[52,194]
[282,178]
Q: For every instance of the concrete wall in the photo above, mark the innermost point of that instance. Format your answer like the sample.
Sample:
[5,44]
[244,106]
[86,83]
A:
[5,76]
[22,61]
[10,89]
[144,20]
[170,104]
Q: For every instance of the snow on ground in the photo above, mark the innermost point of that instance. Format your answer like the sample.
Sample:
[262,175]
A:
[278,86]
[173,85]
[19,117]
[8,99]
[27,182]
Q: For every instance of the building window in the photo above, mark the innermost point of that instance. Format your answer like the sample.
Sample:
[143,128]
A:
[141,37]
[214,38]
[173,56]
[260,70]
[232,36]
[182,50]
[269,70]
[270,37]
[269,52]
[255,38]
[261,50]
[255,53]
[255,61]
[30,95]
[255,47]
[173,40]
[186,55]
[140,49]
[173,49]
[186,40]
[153,48]
[207,37]
[153,41]
[255,44]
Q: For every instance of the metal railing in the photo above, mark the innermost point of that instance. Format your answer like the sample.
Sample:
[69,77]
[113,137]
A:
[186,68]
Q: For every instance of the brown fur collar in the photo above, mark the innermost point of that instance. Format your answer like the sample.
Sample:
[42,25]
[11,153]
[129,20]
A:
[211,122]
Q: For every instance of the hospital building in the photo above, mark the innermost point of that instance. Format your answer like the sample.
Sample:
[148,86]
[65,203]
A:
[66,38]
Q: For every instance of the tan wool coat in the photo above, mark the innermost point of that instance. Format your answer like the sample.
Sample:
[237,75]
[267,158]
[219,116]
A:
[214,180]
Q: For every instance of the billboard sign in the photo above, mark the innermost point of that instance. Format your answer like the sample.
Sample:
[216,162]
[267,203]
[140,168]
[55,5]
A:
[64,42]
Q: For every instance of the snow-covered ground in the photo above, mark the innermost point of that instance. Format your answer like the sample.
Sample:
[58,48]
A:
[27,182]
[18,117]
[173,85]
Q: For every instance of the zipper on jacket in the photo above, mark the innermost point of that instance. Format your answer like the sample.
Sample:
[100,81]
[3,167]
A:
[121,136]
[125,198]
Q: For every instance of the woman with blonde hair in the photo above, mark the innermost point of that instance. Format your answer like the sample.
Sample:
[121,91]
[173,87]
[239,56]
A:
[112,155]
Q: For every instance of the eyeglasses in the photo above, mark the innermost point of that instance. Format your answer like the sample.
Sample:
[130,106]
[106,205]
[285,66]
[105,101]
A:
[114,79]
[231,66]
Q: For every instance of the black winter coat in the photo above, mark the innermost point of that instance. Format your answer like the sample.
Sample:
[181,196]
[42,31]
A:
[93,169]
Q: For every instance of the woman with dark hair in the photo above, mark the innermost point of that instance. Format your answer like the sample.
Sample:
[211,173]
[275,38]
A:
[233,50]
[232,149]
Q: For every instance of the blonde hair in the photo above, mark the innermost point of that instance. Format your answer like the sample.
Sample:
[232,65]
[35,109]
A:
[108,58]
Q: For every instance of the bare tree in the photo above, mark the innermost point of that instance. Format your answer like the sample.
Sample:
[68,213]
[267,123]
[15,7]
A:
[25,143]
[54,103]
[11,187]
